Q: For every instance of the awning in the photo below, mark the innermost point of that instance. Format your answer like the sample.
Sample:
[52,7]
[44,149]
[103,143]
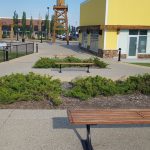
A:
[119,27]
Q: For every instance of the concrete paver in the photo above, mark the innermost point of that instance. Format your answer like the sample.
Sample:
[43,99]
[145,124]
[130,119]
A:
[50,130]
[115,70]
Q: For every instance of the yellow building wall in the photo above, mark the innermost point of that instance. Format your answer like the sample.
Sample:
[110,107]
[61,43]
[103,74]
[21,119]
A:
[128,12]
[111,40]
[92,12]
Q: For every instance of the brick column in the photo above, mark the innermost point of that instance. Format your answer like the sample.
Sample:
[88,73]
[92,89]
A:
[0,29]
[39,25]
[12,32]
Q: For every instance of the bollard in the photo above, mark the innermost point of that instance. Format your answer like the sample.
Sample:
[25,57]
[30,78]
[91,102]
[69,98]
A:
[37,49]
[26,49]
[41,37]
[7,55]
[119,56]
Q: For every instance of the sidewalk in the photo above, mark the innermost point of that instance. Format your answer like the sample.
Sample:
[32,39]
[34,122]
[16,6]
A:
[115,70]
[50,130]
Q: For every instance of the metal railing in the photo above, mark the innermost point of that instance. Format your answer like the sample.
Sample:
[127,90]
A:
[15,50]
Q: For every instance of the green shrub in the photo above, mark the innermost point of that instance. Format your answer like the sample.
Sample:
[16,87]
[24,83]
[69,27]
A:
[51,62]
[92,87]
[47,63]
[85,88]
[30,87]
[140,83]
[100,64]
[72,59]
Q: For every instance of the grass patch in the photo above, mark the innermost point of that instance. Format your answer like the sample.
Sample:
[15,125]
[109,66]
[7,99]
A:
[51,62]
[142,64]
[30,87]
[89,87]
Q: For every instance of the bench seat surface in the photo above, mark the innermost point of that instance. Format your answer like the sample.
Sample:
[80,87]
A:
[63,63]
[108,116]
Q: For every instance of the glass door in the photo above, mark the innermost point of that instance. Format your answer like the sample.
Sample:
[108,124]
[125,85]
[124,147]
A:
[133,46]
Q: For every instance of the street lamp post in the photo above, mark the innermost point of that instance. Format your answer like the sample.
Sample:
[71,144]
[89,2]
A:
[48,25]
[17,35]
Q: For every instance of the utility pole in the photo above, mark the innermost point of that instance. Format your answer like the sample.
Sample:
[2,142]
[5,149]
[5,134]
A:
[48,24]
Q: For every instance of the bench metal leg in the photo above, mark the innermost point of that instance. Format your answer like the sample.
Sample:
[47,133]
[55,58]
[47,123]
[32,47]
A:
[88,70]
[89,145]
[60,69]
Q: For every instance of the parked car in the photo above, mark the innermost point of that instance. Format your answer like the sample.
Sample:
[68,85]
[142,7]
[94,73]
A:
[58,36]
[70,38]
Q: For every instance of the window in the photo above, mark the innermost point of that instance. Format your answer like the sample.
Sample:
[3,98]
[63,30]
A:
[133,32]
[137,32]
[143,32]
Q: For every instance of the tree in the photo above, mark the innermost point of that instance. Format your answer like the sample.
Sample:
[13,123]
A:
[52,23]
[46,24]
[31,27]
[15,22]
[23,24]
[69,29]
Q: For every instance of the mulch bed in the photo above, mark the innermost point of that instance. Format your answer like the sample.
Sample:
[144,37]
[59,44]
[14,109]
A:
[118,101]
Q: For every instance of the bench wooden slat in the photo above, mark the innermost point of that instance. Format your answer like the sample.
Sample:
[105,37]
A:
[114,116]
[108,110]
[104,122]
[110,117]
[62,63]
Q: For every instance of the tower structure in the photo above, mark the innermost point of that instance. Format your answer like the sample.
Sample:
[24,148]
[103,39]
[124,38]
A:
[60,19]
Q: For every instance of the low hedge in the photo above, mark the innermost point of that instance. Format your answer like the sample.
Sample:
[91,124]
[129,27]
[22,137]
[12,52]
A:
[33,87]
[30,87]
[89,87]
[51,62]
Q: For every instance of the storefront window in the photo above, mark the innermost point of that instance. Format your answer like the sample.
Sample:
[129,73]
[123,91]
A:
[141,36]
[84,39]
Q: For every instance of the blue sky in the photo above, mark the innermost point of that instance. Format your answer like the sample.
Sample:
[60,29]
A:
[36,7]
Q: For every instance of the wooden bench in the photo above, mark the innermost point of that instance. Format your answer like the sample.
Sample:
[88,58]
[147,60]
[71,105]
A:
[90,117]
[78,64]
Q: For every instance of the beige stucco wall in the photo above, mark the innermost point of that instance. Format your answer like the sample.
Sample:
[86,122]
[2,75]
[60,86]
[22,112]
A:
[92,12]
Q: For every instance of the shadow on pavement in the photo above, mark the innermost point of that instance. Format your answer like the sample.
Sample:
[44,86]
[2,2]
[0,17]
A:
[63,123]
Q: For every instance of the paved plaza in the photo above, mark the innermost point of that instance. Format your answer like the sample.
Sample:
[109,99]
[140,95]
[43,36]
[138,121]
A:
[50,130]
[115,70]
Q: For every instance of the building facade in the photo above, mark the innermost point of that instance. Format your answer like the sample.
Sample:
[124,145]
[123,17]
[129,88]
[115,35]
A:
[107,25]
[7,31]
